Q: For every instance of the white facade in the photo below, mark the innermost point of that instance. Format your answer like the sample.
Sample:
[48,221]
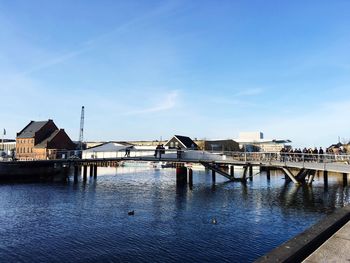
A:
[250,136]
[8,147]
[114,150]
[250,140]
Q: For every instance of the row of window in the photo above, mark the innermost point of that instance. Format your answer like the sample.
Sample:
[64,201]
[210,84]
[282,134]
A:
[173,145]
[26,141]
[24,150]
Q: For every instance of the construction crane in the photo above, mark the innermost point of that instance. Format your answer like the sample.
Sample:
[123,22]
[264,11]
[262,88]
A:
[81,131]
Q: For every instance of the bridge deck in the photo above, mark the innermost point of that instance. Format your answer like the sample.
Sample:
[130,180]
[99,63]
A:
[338,164]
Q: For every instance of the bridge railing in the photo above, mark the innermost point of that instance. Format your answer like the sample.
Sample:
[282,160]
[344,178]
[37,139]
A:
[288,157]
[195,155]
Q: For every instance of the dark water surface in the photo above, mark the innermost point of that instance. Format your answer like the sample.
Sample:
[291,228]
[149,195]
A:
[89,222]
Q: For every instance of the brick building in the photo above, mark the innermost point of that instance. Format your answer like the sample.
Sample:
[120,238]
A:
[42,140]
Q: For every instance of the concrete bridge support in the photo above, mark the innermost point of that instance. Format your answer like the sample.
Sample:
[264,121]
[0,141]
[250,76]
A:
[181,175]
[76,171]
[190,178]
[290,175]
[311,177]
[213,176]
[95,171]
[232,171]
[84,172]
[325,179]
[268,173]
[250,172]
[244,176]
[91,170]
[345,179]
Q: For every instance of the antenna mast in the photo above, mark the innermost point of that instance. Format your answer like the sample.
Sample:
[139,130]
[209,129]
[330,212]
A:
[81,131]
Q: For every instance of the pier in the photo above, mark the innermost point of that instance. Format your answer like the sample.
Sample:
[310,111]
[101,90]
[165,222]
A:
[326,241]
[335,249]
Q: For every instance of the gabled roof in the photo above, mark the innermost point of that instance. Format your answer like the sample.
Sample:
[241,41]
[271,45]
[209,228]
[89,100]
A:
[185,141]
[336,145]
[30,130]
[43,144]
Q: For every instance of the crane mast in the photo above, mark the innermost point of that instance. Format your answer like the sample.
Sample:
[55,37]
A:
[81,131]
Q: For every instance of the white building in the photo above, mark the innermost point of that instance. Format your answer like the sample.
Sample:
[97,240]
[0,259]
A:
[117,149]
[253,141]
[7,146]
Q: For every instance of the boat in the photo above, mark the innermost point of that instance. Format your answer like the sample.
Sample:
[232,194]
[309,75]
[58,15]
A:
[167,165]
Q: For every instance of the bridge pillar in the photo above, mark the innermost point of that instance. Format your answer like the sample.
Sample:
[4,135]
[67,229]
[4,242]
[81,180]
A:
[250,172]
[84,172]
[244,176]
[76,171]
[345,179]
[311,177]
[181,175]
[232,170]
[190,177]
[213,176]
[268,173]
[325,178]
[95,171]
[91,170]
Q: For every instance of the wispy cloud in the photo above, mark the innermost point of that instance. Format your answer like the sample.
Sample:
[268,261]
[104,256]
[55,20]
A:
[167,103]
[238,98]
[250,92]
[56,60]
[93,42]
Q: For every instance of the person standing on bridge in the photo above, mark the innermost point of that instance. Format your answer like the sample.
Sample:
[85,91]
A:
[320,152]
[315,153]
[161,151]
[157,151]
[178,152]
[127,152]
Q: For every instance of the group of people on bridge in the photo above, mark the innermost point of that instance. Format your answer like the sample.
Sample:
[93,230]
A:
[307,155]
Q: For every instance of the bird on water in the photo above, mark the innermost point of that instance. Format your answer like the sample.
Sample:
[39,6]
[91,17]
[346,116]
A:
[131,213]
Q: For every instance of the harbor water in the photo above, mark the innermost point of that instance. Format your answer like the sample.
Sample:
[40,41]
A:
[221,222]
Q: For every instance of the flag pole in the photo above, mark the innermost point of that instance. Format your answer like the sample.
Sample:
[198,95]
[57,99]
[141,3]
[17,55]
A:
[2,141]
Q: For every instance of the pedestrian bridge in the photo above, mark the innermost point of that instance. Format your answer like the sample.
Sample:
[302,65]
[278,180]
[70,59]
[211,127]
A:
[298,167]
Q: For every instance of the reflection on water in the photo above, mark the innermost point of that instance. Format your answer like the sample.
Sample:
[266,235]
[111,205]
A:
[89,221]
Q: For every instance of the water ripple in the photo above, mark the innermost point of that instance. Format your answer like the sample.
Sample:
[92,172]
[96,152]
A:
[89,222]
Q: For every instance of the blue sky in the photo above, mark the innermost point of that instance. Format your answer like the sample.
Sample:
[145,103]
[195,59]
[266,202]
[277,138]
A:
[206,69]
